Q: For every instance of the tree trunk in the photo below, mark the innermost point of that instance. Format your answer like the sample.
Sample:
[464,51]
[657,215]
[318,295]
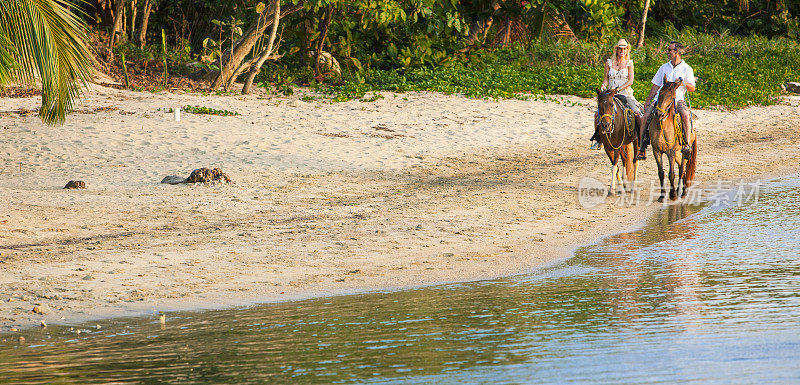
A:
[477,28]
[266,52]
[324,25]
[483,23]
[644,22]
[104,9]
[507,34]
[124,24]
[142,38]
[231,61]
[118,10]
[132,26]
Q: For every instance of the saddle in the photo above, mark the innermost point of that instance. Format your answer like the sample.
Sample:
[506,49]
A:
[677,122]
[627,113]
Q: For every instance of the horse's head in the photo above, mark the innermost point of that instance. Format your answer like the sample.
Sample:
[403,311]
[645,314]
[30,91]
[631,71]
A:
[666,98]
[605,108]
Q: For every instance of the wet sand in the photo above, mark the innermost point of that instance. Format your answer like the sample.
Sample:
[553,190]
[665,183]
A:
[409,190]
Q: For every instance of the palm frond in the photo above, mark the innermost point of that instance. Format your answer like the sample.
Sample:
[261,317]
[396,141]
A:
[548,25]
[7,62]
[47,41]
[559,29]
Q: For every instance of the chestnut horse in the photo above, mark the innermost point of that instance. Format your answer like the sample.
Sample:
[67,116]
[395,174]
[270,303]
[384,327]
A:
[667,140]
[618,141]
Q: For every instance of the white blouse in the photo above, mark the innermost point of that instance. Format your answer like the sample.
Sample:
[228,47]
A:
[616,78]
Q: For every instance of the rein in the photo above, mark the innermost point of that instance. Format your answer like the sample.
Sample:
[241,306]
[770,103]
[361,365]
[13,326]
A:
[609,116]
[666,113]
[613,113]
[613,116]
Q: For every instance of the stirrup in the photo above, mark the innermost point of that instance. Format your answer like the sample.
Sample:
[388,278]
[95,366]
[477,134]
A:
[595,145]
[686,151]
[642,154]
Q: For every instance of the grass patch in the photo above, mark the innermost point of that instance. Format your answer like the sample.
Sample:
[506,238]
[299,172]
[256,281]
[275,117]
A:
[202,110]
[372,98]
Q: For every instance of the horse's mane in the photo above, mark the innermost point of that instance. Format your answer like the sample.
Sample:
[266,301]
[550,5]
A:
[605,95]
[668,89]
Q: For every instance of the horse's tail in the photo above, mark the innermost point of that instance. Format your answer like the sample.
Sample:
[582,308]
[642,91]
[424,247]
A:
[691,166]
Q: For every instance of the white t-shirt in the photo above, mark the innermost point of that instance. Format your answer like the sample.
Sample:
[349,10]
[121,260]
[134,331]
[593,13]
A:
[682,70]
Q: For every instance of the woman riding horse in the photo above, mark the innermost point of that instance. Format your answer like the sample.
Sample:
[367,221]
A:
[617,132]
[618,76]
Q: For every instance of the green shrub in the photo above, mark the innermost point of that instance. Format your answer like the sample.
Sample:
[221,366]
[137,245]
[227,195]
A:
[203,110]
[732,72]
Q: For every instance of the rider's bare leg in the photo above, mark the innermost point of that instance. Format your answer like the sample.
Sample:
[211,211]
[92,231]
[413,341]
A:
[595,138]
[642,132]
[687,129]
[640,123]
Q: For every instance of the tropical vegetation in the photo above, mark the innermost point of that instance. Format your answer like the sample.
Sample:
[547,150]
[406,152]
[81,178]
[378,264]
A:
[742,50]
[42,40]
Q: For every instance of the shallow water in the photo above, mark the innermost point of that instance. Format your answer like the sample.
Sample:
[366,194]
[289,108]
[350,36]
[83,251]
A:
[700,295]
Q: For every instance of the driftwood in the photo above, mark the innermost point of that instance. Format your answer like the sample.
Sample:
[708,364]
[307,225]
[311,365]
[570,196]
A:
[200,175]
[75,184]
[204,175]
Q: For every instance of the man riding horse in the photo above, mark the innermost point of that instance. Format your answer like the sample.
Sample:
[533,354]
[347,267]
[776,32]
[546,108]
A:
[672,70]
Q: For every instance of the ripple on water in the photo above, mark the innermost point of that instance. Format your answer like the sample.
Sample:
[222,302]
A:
[699,295]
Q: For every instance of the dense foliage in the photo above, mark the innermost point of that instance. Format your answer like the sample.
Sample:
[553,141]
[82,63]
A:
[731,72]
[481,48]
[403,45]
[769,18]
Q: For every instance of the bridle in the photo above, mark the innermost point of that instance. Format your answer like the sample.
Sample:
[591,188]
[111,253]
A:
[607,128]
[662,113]
[662,116]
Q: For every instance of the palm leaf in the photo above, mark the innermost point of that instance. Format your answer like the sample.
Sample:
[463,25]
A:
[47,41]
[7,62]
[548,25]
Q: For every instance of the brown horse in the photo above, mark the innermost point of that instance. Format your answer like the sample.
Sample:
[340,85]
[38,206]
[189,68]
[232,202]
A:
[618,141]
[666,140]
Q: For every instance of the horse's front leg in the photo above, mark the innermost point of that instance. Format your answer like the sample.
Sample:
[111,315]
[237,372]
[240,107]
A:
[672,193]
[660,164]
[613,189]
[629,160]
[682,177]
[613,157]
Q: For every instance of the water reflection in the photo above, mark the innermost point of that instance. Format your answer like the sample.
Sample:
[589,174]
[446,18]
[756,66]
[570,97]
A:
[706,297]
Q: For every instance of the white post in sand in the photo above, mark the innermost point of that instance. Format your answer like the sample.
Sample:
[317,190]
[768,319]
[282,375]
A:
[177,111]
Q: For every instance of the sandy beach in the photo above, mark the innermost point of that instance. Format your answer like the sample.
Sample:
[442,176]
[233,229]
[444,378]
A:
[328,198]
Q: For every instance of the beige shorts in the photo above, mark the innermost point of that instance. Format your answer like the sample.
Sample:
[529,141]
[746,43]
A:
[680,107]
[633,104]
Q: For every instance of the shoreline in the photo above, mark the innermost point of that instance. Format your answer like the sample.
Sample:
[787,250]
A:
[329,199]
